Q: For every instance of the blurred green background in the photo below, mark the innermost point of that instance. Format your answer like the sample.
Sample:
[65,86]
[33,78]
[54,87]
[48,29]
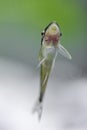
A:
[21,22]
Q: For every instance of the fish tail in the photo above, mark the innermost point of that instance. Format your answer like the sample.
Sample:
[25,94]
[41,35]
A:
[38,108]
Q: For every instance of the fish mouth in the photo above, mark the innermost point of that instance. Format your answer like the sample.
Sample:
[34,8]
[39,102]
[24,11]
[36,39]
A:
[52,39]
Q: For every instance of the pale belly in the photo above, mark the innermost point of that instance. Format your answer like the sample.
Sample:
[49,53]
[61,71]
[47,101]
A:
[49,52]
[50,55]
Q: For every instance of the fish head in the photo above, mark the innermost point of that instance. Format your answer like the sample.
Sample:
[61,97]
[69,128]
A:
[52,34]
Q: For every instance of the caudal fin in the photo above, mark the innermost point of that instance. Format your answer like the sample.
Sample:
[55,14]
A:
[38,109]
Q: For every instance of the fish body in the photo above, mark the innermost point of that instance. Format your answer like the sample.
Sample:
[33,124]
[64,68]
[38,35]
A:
[48,54]
[50,46]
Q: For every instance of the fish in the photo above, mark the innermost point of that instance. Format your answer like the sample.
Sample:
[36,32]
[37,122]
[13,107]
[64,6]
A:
[50,47]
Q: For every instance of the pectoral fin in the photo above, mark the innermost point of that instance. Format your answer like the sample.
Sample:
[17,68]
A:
[64,52]
[41,58]
[41,62]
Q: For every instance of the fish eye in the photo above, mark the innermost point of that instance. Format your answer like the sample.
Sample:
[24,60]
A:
[60,34]
[42,33]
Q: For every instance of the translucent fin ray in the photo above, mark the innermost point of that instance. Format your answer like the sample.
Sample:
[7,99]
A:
[38,109]
[64,52]
[41,62]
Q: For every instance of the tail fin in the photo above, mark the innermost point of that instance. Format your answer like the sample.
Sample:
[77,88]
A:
[38,108]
